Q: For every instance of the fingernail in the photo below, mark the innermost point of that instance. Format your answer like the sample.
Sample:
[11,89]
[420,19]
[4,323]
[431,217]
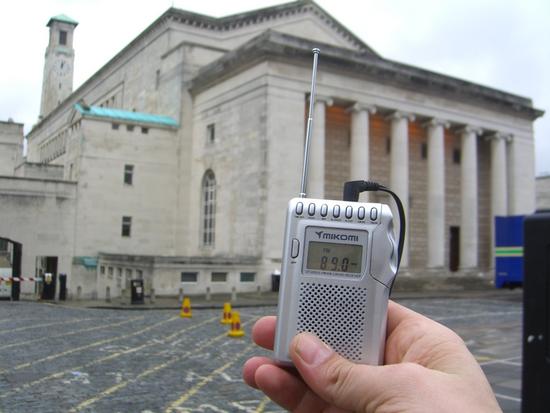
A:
[312,350]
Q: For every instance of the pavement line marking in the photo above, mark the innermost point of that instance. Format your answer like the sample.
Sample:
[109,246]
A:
[23,343]
[475,315]
[503,361]
[505,397]
[94,344]
[145,373]
[9,319]
[78,320]
[261,406]
[60,374]
[193,390]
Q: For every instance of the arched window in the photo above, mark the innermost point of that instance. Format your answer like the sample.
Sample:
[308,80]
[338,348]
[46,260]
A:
[208,208]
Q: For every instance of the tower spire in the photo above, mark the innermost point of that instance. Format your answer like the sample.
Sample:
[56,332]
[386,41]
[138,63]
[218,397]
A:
[57,82]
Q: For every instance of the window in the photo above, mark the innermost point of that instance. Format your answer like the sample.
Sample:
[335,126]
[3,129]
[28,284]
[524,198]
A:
[129,128]
[126,226]
[456,156]
[110,272]
[102,269]
[424,150]
[189,277]
[128,174]
[144,130]
[219,277]
[211,133]
[62,37]
[3,245]
[128,274]
[139,274]
[208,208]
[248,277]
[114,126]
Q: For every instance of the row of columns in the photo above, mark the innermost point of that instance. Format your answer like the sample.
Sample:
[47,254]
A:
[399,175]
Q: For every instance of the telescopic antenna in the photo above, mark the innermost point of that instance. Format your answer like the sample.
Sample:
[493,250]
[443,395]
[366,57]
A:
[309,122]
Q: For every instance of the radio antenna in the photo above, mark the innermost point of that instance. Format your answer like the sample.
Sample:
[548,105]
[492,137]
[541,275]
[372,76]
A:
[309,128]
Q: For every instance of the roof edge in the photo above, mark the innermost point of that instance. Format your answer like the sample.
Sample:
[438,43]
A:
[272,44]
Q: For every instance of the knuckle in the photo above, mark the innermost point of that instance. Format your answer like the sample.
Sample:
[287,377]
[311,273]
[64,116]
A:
[339,379]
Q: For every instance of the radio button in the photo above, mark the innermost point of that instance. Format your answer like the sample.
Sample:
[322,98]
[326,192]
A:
[361,213]
[299,208]
[336,211]
[349,212]
[295,248]
[324,210]
[373,214]
[311,209]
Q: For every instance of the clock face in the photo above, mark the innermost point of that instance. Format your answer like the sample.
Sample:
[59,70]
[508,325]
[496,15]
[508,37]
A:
[62,68]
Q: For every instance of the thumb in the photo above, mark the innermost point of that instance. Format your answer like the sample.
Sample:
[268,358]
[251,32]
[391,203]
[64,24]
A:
[338,381]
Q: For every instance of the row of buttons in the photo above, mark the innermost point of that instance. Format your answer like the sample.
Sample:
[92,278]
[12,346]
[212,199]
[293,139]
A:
[348,212]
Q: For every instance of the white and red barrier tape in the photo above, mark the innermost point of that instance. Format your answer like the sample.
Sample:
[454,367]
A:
[18,279]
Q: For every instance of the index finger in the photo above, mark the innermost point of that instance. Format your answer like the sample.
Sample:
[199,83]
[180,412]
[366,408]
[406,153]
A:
[263,332]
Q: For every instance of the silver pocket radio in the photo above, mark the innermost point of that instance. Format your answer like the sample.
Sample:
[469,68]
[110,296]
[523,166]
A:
[340,259]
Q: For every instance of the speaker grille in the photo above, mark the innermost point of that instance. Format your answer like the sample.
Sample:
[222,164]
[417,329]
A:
[335,314]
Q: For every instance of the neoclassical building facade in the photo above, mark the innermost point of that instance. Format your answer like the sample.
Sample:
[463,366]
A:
[179,155]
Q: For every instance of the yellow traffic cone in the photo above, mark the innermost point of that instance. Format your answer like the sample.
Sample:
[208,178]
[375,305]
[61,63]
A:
[186,308]
[236,330]
[226,317]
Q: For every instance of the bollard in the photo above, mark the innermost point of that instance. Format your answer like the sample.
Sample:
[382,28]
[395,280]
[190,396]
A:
[207,294]
[153,296]
[226,316]
[185,311]
[236,330]
[259,290]
[233,294]
[108,294]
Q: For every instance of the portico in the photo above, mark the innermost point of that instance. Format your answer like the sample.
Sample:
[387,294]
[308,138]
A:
[449,144]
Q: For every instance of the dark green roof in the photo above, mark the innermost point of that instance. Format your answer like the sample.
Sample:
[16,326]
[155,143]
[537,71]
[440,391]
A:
[126,115]
[62,18]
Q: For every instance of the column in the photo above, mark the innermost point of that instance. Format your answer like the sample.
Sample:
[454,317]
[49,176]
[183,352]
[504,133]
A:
[399,172]
[499,181]
[359,148]
[316,174]
[436,193]
[521,174]
[468,198]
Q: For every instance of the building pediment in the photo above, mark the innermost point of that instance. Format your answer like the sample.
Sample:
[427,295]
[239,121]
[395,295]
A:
[303,18]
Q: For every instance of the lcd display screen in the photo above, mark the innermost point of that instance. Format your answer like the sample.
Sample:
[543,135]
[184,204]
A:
[331,257]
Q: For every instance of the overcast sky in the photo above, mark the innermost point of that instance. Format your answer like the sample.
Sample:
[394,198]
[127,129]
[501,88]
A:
[504,44]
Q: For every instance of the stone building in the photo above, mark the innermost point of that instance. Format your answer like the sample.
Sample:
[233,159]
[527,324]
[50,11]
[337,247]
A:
[176,159]
[543,192]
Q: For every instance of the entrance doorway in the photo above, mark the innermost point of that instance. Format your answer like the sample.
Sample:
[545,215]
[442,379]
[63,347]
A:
[454,249]
[47,269]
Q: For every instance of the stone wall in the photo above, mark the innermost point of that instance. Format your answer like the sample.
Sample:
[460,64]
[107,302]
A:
[543,192]
[40,214]
[11,146]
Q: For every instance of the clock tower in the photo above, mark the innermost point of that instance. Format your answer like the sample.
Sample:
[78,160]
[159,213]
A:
[57,82]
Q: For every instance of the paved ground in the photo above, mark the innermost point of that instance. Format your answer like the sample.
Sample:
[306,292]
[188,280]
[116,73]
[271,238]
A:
[56,358]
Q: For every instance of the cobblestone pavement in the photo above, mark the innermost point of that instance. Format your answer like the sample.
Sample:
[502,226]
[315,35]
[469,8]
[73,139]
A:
[58,359]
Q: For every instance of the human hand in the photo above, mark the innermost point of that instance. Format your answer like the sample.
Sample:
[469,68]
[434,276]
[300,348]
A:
[428,368]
